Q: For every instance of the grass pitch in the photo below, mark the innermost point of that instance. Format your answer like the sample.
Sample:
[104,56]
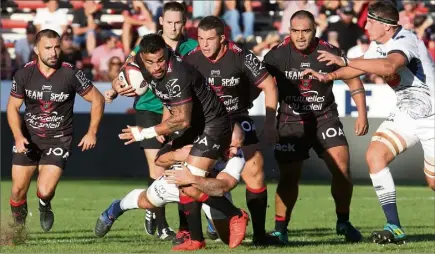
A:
[78,204]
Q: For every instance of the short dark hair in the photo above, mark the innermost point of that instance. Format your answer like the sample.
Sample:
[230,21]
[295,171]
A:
[384,9]
[212,22]
[46,33]
[151,43]
[174,6]
[303,14]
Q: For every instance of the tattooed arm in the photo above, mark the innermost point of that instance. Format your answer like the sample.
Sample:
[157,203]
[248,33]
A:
[179,119]
[359,97]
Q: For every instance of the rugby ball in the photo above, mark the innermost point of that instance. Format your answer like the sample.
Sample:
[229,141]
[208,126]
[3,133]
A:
[130,75]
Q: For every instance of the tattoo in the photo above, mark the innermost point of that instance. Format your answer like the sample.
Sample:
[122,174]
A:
[211,186]
[357,91]
[180,116]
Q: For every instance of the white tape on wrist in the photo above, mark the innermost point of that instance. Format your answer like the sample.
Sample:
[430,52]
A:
[146,133]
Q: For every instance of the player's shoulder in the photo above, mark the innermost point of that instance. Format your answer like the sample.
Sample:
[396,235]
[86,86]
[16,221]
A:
[25,70]
[279,49]
[404,36]
[326,46]
[236,49]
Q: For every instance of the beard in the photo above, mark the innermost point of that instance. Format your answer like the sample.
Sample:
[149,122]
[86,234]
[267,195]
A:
[51,64]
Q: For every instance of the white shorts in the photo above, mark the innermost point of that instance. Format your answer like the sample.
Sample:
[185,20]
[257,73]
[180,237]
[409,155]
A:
[160,192]
[214,214]
[413,130]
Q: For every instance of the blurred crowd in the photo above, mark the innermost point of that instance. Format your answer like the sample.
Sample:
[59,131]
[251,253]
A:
[90,44]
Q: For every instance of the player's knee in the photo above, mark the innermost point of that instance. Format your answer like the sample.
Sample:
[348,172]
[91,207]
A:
[18,193]
[253,170]
[143,202]
[376,159]
[45,193]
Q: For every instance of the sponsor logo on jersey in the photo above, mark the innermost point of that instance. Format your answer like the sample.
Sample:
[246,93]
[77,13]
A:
[83,80]
[14,86]
[285,147]
[254,64]
[39,95]
[305,65]
[173,88]
[45,120]
[46,87]
[231,104]
[215,73]
[306,101]
[229,82]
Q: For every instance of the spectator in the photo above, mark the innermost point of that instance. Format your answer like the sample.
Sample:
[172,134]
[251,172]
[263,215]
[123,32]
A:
[206,8]
[68,53]
[431,45]
[328,14]
[139,18]
[291,7]
[343,33]
[102,54]
[362,44]
[85,24]
[155,7]
[421,24]
[24,47]
[115,64]
[232,18]
[406,17]
[6,61]
[51,17]
[261,49]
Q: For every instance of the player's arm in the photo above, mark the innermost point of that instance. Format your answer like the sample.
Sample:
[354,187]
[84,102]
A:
[15,102]
[97,108]
[382,67]
[358,94]
[259,76]
[170,158]
[179,119]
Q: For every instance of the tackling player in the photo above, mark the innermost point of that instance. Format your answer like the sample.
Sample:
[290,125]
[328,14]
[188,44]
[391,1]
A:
[308,118]
[164,190]
[403,60]
[149,109]
[232,73]
[191,106]
[43,140]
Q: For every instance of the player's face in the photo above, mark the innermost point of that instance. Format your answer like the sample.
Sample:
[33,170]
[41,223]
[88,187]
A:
[48,50]
[375,29]
[172,24]
[302,32]
[155,63]
[210,42]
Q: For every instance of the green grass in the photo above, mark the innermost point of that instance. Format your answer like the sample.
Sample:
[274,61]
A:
[78,204]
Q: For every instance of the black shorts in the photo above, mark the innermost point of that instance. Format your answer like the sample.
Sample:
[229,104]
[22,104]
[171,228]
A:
[248,127]
[44,151]
[210,142]
[147,119]
[296,139]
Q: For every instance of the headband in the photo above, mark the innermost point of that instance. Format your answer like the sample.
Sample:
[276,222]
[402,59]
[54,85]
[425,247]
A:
[390,22]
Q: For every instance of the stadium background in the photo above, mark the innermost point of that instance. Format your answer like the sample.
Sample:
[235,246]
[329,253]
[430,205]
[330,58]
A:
[111,159]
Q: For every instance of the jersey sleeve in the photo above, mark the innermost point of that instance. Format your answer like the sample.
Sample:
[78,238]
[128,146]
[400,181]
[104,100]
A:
[254,69]
[404,45]
[17,89]
[81,83]
[180,91]
[271,63]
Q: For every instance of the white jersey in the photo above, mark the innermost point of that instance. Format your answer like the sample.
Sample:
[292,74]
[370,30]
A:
[414,83]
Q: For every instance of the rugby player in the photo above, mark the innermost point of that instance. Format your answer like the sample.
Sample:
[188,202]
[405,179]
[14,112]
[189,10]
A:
[233,72]
[149,109]
[403,60]
[191,106]
[43,140]
[164,190]
[308,118]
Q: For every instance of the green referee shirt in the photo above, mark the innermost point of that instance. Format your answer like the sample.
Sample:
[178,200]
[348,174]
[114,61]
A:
[149,101]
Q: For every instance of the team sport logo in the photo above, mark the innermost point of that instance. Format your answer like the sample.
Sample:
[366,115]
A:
[305,85]
[254,64]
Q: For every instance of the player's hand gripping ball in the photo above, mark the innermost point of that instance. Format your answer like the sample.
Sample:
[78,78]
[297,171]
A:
[130,75]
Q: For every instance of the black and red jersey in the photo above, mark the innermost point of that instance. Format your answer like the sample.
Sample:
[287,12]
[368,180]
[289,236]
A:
[49,100]
[301,98]
[232,76]
[181,84]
